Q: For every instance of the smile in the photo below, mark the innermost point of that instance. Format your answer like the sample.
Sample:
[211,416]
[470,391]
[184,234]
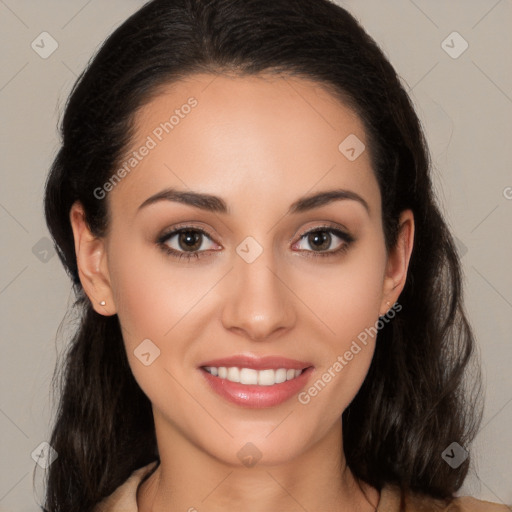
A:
[253,381]
[250,376]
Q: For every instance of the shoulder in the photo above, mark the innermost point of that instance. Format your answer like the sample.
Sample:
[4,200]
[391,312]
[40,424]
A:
[469,504]
[124,498]
[392,500]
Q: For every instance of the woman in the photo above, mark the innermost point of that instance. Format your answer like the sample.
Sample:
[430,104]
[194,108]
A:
[272,305]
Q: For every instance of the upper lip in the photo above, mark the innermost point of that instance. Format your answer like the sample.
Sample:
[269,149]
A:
[257,363]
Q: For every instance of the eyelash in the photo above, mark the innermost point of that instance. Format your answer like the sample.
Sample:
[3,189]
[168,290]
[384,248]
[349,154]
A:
[348,239]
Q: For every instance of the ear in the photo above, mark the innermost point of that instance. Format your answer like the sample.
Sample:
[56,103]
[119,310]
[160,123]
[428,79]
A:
[92,262]
[398,262]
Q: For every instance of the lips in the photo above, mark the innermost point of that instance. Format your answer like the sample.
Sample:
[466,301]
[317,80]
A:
[258,363]
[256,381]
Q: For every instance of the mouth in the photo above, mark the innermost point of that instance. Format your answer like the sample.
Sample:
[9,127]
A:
[256,382]
[252,377]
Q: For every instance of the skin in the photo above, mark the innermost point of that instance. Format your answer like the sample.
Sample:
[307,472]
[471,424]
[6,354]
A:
[259,143]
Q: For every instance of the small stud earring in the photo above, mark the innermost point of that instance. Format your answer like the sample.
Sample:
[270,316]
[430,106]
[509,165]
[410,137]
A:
[102,303]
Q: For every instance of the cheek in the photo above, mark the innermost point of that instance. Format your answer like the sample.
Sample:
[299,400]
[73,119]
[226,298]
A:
[347,297]
[146,311]
[350,307]
[150,299]
[155,302]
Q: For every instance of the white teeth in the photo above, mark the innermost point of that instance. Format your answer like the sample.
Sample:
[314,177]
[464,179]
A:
[266,377]
[234,374]
[280,375]
[250,376]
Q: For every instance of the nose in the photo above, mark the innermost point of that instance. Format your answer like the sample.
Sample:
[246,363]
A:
[258,302]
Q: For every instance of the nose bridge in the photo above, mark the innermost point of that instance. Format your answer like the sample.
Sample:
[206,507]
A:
[257,301]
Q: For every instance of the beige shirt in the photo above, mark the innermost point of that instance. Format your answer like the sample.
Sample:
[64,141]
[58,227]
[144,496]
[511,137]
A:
[124,499]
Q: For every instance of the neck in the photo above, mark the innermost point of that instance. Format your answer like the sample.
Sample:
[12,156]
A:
[188,479]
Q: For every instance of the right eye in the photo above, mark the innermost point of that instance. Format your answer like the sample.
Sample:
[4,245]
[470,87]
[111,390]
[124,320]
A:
[189,242]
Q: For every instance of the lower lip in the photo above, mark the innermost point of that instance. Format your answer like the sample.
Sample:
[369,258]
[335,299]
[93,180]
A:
[257,396]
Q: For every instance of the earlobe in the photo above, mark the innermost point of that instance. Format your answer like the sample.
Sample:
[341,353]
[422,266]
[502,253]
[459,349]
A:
[398,261]
[91,262]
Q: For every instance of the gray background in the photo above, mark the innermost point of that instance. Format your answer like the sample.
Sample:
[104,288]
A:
[465,104]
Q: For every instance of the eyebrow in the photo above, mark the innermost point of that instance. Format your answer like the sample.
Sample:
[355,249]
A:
[216,204]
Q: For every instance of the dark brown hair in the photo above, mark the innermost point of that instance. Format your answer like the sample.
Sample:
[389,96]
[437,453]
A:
[416,399]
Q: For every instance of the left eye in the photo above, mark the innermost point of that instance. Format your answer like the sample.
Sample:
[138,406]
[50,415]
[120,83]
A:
[188,240]
[321,240]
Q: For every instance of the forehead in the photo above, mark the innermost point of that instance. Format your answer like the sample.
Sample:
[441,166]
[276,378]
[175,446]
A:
[257,139]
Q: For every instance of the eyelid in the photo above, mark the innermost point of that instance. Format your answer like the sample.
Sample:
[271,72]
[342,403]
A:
[183,227]
[324,225]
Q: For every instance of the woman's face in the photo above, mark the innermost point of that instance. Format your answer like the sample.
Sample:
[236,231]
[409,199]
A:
[251,285]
